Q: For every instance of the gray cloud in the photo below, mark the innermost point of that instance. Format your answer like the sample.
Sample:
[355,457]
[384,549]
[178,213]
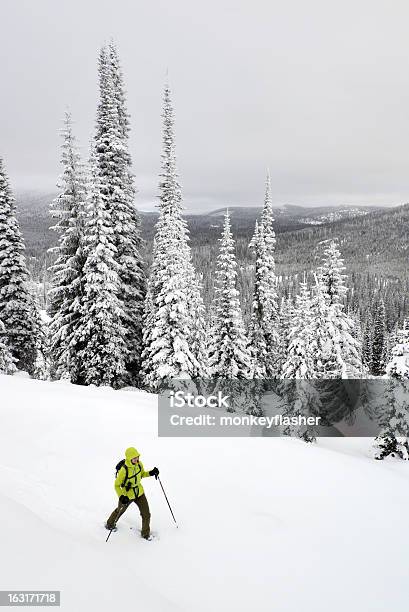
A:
[318,91]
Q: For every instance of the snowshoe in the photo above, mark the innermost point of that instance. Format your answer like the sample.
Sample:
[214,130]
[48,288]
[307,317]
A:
[152,536]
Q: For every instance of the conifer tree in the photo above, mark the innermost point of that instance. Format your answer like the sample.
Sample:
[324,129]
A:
[118,192]
[173,297]
[199,329]
[346,346]
[258,341]
[332,274]
[324,345]
[68,270]
[300,359]
[335,353]
[286,315]
[103,349]
[130,243]
[379,341]
[7,365]
[392,339]
[367,344]
[18,309]
[394,414]
[299,396]
[264,327]
[229,355]
[42,365]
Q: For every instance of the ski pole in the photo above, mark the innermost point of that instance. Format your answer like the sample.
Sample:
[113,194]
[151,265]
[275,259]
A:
[109,534]
[166,497]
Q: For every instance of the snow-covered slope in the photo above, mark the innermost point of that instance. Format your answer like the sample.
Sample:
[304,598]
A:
[264,523]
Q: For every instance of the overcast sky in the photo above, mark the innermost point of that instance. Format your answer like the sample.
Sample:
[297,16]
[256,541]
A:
[317,90]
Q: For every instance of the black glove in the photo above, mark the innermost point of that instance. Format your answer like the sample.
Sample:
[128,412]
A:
[154,472]
[124,499]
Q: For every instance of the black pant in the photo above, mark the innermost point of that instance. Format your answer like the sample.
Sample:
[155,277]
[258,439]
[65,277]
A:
[143,506]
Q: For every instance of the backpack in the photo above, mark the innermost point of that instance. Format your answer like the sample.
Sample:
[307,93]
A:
[118,467]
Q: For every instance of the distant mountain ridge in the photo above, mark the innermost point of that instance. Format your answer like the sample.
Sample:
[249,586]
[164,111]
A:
[374,243]
[292,210]
[29,201]
[33,209]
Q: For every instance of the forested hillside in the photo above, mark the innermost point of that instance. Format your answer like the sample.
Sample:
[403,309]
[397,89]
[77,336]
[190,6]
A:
[374,244]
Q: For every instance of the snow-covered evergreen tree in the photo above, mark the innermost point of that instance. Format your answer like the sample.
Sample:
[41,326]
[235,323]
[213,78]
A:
[324,345]
[7,363]
[286,315]
[367,344]
[346,345]
[68,270]
[42,365]
[394,415]
[332,341]
[118,192]
[398,367]
[173,298]
[300,358]
[332,274]
[99,334]
[328,366]
[229,355]
[264,327]
[199,329]
[258,341]
[299,396]
[392,339]
[379,340]
[18,309]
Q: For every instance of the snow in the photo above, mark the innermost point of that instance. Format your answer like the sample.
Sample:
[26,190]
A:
[264,523]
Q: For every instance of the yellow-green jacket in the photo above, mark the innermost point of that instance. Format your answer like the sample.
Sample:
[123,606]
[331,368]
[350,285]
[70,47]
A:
[135,473]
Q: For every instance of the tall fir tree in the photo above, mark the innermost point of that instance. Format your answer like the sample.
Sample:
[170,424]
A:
[264,325]
[68,270]
[229,354]
[300,359]
[347,348]
[379,340]
[392,339]
[394,412]
[299,395]
[18,309]
[335,353]
[367,343]
[99,335]
[258,341]
[173,298]
[118,192]
[324,346]
[332,274]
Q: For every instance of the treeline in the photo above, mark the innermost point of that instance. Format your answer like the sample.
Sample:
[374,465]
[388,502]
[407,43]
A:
[374,270]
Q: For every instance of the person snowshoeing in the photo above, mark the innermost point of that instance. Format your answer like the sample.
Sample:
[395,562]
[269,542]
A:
[129,489]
